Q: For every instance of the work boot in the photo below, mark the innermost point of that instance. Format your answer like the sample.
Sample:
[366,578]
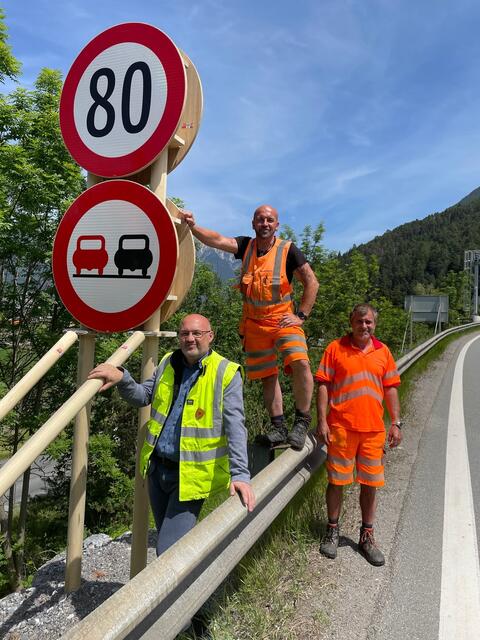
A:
[296,437]
[329,544]
[369,549]
[277,435]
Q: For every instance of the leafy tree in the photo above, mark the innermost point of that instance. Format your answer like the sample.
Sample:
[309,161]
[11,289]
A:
[38,180]
[9,65]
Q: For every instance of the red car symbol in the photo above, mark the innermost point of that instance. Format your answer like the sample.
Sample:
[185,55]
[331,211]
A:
[90,254]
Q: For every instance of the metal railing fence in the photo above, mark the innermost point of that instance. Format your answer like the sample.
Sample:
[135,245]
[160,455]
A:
[165,595]
[37,443]
[161,599]
[30,379]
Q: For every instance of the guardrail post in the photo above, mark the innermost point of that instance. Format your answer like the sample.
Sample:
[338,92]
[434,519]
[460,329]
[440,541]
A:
[138,560]
[78,481]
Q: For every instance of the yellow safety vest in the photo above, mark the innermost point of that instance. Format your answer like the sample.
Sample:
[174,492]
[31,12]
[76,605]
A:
[204,466]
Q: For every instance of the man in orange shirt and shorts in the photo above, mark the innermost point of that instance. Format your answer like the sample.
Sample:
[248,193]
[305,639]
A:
[356,374]
[270,325]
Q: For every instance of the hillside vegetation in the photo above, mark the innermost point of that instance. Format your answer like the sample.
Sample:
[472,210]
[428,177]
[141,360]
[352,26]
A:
[417,257]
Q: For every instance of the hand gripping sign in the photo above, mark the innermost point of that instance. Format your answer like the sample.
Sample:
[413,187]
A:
[115,256]
[123,99]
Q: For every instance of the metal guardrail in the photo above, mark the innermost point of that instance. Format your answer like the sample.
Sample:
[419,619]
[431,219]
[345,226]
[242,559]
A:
[417,352]
[159,601]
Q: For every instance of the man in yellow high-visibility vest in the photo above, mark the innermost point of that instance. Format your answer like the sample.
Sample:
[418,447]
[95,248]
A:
[196,440]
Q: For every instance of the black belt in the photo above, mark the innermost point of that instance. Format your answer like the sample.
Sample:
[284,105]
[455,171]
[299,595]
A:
[166,462]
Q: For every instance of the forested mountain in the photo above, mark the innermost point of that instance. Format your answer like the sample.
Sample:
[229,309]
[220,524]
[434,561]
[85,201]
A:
[419,254]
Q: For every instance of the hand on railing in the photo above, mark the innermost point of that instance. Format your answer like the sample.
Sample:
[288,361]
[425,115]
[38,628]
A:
[246,493]
[108,373]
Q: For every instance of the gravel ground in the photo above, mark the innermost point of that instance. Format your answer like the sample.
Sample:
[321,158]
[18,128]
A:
[339,602]
[45,612]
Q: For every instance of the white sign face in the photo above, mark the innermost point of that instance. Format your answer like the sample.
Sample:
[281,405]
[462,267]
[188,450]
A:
[122,232]
[120,100]
[115,256]
[123,99]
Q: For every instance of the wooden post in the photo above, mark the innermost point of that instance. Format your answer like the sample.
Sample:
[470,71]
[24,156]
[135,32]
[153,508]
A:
[78,481]
[138,561]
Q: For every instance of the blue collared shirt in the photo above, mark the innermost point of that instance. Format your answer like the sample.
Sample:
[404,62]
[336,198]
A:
[168,444]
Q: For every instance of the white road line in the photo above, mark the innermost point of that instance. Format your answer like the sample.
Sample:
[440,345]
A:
[460,591]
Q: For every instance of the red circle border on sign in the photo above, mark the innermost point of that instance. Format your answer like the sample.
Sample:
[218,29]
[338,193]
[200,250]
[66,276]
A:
[158,215]
[172,61]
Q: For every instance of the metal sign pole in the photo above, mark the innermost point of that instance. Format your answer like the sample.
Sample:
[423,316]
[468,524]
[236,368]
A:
[475,289]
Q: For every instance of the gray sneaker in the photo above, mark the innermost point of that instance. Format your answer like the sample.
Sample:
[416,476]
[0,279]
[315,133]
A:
[369,549]
[276,436]
[329,544]
[297,436]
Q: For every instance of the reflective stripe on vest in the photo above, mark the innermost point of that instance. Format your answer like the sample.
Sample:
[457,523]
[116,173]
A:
[278,298]
[357,377]
[217,430]
[203,456]
[326,370]
[204,464]
[156,417]
[362,391]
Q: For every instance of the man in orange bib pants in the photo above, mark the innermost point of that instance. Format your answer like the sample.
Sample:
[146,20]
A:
[356,374]
[269,323]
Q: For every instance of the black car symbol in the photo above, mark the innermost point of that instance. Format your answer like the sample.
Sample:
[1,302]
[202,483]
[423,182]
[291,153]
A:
[133,257]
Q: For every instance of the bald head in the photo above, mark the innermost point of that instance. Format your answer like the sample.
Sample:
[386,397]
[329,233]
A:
[195,335]
[265,210]
[200,322]
[265,224]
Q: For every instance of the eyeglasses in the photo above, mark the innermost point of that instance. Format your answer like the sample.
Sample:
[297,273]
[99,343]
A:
[196,333]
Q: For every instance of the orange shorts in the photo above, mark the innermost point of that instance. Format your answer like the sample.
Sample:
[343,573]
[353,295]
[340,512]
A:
[361,449]
[262,342]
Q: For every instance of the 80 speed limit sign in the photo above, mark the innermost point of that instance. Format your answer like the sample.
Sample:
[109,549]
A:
[122,100]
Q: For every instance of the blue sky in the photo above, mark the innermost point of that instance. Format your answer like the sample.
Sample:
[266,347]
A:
[362,114]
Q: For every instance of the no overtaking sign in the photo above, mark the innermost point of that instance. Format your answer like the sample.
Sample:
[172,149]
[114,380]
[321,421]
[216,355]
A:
[115,256]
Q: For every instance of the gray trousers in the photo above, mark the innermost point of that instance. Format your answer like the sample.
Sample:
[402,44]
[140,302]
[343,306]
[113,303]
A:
[173,518]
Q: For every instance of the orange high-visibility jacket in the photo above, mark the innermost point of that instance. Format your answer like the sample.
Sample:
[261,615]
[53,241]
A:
[356,382]
[263,281]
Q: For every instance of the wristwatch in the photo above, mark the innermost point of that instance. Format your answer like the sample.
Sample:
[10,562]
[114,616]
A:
[398,424]
[301,315]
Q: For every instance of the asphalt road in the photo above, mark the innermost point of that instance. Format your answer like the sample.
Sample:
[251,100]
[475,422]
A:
[434,586]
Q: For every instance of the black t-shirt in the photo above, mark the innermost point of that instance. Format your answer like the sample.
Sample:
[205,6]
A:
[295,257]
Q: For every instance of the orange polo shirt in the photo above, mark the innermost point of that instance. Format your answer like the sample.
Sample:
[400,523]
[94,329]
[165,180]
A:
[356,380]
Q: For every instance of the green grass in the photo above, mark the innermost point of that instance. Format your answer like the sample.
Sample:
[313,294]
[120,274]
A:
[258,601]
